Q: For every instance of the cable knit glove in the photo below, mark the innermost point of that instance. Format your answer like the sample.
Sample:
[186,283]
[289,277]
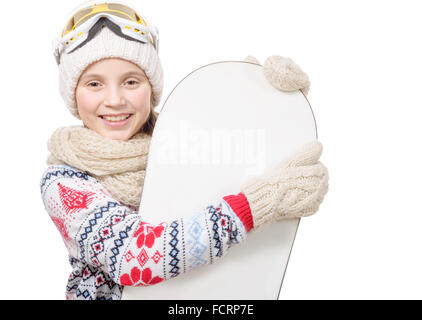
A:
[283,74]
[295,188]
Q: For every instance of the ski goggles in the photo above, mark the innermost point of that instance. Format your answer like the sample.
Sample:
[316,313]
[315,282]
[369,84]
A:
[85,22]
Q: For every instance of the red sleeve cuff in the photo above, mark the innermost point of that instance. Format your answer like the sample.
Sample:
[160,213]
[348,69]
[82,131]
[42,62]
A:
[240,206]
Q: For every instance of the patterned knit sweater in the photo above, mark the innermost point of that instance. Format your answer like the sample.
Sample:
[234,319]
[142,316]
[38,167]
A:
[111,246]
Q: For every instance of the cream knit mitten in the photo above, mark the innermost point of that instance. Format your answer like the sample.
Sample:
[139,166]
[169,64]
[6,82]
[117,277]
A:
[283,74]
[295,188]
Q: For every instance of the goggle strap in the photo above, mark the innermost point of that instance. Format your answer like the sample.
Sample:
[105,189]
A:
[98,26]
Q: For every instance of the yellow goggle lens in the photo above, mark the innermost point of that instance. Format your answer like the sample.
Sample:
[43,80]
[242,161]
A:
[115,9]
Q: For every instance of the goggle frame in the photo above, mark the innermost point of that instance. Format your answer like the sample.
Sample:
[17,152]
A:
[138,30]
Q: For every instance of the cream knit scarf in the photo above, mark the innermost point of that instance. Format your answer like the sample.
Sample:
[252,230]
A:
[118,165]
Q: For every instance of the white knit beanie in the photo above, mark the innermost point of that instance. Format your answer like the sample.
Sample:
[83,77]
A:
[106,44]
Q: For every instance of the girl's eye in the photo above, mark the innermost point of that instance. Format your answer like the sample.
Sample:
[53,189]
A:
[94,84]
[132,82]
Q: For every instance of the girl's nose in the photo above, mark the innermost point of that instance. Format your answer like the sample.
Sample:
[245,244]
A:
[114,98]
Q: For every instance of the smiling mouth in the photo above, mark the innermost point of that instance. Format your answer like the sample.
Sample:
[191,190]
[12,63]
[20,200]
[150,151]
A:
[116,118]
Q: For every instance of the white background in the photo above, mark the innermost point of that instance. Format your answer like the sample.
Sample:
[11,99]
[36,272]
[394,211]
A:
[364,62]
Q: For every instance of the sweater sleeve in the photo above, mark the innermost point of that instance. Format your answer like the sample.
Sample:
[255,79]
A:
[110,242]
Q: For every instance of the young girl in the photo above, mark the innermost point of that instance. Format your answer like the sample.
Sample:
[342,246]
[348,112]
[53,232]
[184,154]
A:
[111,79]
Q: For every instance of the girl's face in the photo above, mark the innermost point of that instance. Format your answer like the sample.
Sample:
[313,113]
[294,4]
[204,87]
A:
[114,98]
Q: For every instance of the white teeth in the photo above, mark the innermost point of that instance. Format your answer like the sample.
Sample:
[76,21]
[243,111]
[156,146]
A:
[115,118]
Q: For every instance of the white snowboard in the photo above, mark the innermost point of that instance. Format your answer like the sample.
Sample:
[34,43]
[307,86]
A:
[222,125]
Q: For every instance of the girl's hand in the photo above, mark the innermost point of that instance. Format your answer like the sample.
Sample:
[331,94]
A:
[295,188]
[284,74]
